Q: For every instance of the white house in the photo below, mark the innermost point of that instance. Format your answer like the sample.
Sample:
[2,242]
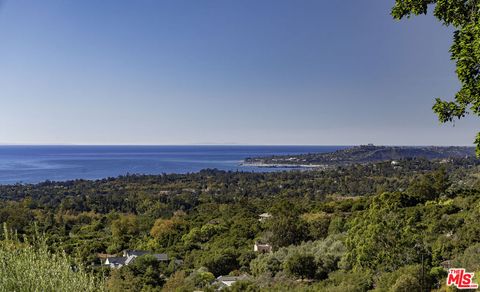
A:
[129,257]
[227,281]
[264,216]
[262,248]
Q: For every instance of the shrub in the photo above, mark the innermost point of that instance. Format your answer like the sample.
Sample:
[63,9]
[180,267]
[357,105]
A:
[301,265]
[32,267]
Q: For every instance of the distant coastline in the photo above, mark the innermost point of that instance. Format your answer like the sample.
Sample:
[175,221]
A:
[280,165]
[34,164]
[360,155]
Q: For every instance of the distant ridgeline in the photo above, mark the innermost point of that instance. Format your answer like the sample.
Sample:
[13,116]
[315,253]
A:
[361,154]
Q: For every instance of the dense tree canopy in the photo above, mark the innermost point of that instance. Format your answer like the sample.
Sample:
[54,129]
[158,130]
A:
[348,228]
[464,16]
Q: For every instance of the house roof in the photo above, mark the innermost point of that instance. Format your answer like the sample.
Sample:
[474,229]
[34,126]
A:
[231,278]
[130,256]
[116,261]
[130,259]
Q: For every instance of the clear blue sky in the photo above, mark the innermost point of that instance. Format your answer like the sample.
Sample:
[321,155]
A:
[222,71]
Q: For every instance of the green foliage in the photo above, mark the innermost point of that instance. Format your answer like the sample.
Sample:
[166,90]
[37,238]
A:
[176,282]
[325,253]
[441,180]
[16,215]
[407,278]
[317,224]
[222,263]
[384,237]
[341,280]
[244,286]
[123,230]
[265,264]
[32,267]
[288,227]
[465,51]
[423,189]
[430,186]
[301,265]
[166,232]
[470,259]
[437,276]
[201,278]
[123,280]
[329,226]
[144,273]
[198,235]
[337,225]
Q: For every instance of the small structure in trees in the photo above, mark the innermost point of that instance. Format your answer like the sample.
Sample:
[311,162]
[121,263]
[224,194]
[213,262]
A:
[264,217]
[227,281]
[262,248]
[129,257]
[115,262]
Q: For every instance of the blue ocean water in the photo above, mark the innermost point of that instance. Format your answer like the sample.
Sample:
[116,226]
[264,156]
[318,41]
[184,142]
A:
[32,164]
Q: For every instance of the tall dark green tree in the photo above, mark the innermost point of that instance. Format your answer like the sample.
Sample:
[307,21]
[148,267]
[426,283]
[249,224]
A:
[464,16]
[302,265]
[287,227]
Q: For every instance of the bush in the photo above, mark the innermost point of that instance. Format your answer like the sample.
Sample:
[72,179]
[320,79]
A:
[32,267]
[406,278]
[222,263]
[340,281]
[301,265]
[146,273]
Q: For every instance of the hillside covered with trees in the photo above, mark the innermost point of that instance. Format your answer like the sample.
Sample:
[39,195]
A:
[362,154]
[367,218]
[376,226]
